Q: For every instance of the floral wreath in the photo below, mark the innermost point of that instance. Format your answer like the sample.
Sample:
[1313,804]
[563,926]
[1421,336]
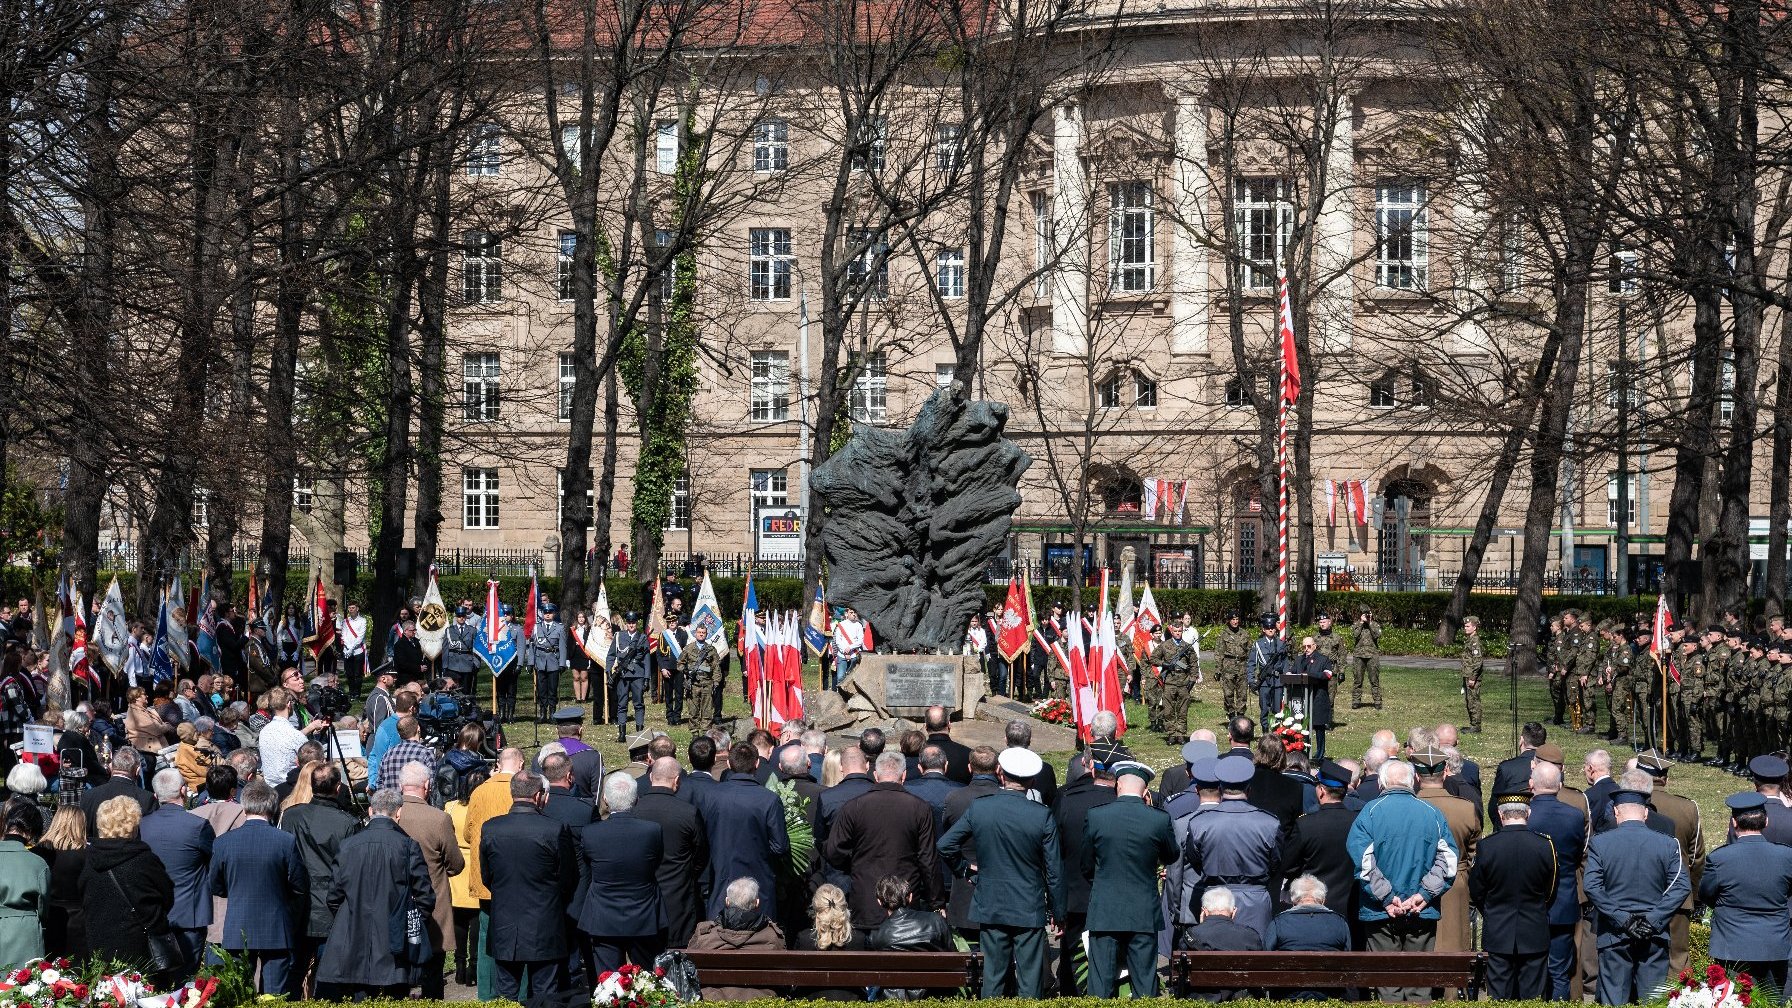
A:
[1285,727]
[1712,989]
[1053,711]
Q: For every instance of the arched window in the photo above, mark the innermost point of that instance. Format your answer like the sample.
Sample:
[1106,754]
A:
[1126,387]
[1405,505]
[1144,391]
[1118,488]
[1108,392]
[1408,385]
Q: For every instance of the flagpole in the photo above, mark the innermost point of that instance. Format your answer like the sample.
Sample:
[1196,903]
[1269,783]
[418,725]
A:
[1282,481]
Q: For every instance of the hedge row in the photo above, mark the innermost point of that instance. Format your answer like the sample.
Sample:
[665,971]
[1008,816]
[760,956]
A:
[1415,610]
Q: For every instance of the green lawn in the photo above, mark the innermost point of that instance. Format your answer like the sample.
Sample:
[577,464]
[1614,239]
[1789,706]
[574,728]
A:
[1413,696]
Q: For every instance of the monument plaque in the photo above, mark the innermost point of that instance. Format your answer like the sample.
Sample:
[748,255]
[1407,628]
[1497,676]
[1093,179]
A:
[917,684]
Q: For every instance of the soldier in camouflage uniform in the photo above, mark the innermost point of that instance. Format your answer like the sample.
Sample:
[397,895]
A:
[1753,704]
[1328,642]
[1365,654]
[1555,662]
[1587,665]
[1235,645]
[1619,657]
[1715,695]
[1779,695]
[1646,695]
[1690,736]
[1175,662]
[700,668]
[1473,657]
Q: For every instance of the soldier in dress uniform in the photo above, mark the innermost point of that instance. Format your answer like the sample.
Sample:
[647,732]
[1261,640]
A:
[1328,642]
[1635,881]
[1264,666]
[1747,884]
[1235,646]
[1429,766]
[1514,886]
[546,654]
[1173,661]
[671,677]
[700,666]
[1618,655]
[1125,842]
[457,649]
[1316,845]
[1473,657]
[627,663]
[1365,654]
[1689,833]
[1236,845]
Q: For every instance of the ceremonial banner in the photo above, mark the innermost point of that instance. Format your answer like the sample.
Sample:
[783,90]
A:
[494,645]
[432,622]
[708,612]
[1073,657]
[532,605]
[818,632]
[177,625]
[161,662]
[207,621]
[114,631]
[325,624]
[1105,672]
[1331,502]
[597,639]
[1015,632]
[1146,618]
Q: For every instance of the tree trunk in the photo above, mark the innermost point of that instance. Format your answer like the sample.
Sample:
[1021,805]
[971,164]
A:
[1693,448]
[606,486]
[1779,507]
[432,302]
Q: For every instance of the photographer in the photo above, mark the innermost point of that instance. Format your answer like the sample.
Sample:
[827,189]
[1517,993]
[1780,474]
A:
[324,700]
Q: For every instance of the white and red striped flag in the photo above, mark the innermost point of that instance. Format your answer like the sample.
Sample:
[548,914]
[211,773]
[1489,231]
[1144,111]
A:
[1658,640]
[1290,393]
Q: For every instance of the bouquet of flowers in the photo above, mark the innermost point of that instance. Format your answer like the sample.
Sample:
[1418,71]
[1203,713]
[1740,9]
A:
[1052,711]
[1286,727]
[192,994]
[634,987]
[43,983]
[120,990]
[1711,989]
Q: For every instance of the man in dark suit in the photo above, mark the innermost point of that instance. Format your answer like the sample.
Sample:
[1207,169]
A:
[1009,846]
[1566,829]
[1513,776]
[182,841]
[1635,880]
[530,865]
[1470,774]
[563,804]
[1600,784]
[230,643]
[1079,796]
[619,910]
[958,755]
[1316,845]
[984,781]
[127,766]
[257,868]
[855,780]
[885,831]
[1746,884]
[1269,790]
[1125,842]
[1513,885]
[684,849]
[1102,746]
[704,775]
[747,836]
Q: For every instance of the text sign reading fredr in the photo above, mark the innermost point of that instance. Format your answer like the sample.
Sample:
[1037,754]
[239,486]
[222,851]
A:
[781,533]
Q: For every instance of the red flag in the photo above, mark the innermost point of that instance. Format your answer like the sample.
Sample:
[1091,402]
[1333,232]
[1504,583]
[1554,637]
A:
[325,625]
[1658,641]
[1290,360]
[254,600]
[530,604]
[1017,620]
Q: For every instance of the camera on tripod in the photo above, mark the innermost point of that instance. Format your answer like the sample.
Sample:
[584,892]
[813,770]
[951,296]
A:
[332,702]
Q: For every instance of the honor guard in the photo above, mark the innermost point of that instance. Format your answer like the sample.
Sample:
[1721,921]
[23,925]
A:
[1328,642]
[1513,886]
[457,648]
[1264,666]
[1173,662]
[547,656]
[700,666]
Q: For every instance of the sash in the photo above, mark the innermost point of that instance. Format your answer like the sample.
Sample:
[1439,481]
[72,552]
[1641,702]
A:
[352,641]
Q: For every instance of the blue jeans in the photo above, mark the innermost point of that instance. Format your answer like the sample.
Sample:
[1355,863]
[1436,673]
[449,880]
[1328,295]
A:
[842,668]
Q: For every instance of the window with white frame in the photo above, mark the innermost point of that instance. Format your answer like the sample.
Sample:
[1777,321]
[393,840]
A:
[569,374]
[946,152]
[1611,500]
[1623,279]
[768,264]
[1384,391]
[1511,265]
[943,374]
[479,496]
[1236,396]
[1265,223]
[949,273]
[874,133]
[1144,391]
[868,401]
[771,146]
[560,503]
[1132,242]
[485,153]
[678,517]
[870,268]
[1042,242]
[662,239]
[570,150]
[770,487]
[304,491]
[202,510]
[1616,380]
[569,247]
[1402,243]
[665,146]
[482,267]
[1726,402]
[479,374]
[1108,394]
[771,385]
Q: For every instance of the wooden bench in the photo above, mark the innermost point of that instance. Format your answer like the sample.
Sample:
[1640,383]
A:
[937,971]
[1208,971]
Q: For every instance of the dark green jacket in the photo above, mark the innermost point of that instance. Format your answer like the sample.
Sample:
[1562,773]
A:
[1017,857]
[1125,842]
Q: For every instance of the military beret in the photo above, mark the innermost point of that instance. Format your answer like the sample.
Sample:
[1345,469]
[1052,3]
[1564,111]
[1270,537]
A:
[1205,771]
[1198,749]
[1715,629]
[1334,774]
[1234,770]
[1135,769]
[1549,752]
[1653,764]
[1767,767]
[1019,762]
[1746,801]
[1429,761]
[569,715]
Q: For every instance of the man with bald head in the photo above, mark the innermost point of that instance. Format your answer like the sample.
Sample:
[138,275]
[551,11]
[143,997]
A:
[1566,828]
[684,848]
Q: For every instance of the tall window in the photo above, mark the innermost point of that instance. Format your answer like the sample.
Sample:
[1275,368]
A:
[1144,391]
[1265,225]
[1108,392]
[1611,501]
[479,494]
[869,388]
[1401,240]
[570,151]
[1623,278]
[482,267]
[485,155]
[1042,242]
[560,502]
[665,146]
[679,517]
[1511,265]
[771,146]
[1235,394]
[568,375]
[769,264]
[662,239]
[874,132]
[202,509]
[1131,238]
[943,374]
[1616,385]
[949,273]
[303,491]
[569,247]
[479,373]
[1126,388]
[771,385]
[1383,391]
[946,140]
[771,489]
[1247,546]
[1726,402]
[870,269]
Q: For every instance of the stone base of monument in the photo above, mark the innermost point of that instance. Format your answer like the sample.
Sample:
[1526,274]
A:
[886,686]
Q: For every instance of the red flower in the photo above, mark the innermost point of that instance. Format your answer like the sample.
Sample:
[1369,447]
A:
[1714,974]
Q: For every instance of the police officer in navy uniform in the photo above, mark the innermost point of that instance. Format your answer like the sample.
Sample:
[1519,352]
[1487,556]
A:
[1635,881]
[1513,884]
[1264,665]
[457,649]
[1747,884]
[546,654]
[627,661]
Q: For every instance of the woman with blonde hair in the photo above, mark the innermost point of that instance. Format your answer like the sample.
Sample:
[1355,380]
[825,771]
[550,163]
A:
[125,885]
[832,932]
[64,849]
[830,769]
[301,786]
[193,756]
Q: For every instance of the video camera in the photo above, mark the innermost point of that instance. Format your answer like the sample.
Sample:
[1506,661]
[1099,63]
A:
[332,702]
[442,714]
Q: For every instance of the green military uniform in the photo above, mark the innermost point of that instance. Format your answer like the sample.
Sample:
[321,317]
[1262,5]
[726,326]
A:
[1778,690]
[1586,680]
[1328,642]
[1175,662]
[1618,660]
[1009,847]
[1365,653]
[700,666]
[1150,689]
[1554,663]
[1473,657]
[1692,701]
[1716,693]
[1125,842]
[1235,644]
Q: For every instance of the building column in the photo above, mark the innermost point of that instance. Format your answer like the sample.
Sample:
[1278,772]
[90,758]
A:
[1333,304]
[1070,233]
[1476,238]
[1190,185]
